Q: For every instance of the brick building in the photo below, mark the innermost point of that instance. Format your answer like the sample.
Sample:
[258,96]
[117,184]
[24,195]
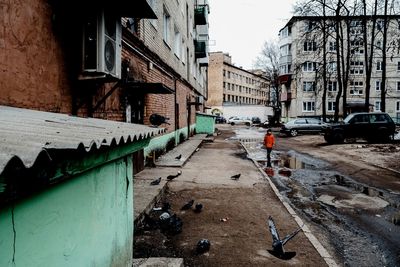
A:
[116,60]
[229,85]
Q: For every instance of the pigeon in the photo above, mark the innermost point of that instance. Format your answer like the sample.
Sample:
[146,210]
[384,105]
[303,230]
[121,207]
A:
[188,205]
[203,246]
[198,207]
[277,243]
[171,177]
[156,181]
[178,157]
[235,177]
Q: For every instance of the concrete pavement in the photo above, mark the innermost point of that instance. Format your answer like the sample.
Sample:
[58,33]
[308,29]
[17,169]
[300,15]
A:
[146,195]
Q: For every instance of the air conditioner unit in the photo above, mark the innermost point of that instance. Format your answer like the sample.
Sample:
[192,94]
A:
[101,46]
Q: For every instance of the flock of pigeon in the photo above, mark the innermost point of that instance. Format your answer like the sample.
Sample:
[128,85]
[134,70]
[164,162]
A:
[173,224]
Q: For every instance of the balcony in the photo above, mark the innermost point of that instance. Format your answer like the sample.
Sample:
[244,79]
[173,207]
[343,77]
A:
[200,49]
[200,15]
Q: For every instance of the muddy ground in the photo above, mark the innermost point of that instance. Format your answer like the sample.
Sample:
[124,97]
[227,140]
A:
[233,217]
[348,194]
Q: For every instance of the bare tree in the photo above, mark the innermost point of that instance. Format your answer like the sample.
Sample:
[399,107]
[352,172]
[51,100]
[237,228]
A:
[268,60]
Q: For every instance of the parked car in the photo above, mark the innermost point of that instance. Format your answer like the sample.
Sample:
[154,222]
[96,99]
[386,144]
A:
[220,119]
[255,120]
[302,125]
[240,120]
[374,127]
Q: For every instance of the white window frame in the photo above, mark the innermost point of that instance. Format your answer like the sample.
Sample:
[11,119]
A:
[356,88]
[357,70]
[309,46]
[332,86]
[308,86]
[309,66]
[331,105]
[377,106]
[378,85]
[309,106]
[332,46]
[332,67]
[166,26]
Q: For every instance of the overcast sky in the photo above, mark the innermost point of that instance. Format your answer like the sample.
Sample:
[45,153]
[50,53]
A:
[240,27]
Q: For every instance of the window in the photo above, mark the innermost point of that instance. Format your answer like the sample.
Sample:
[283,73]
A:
[310,46]
[377,106]
[177,43]
[332,86]
[224,72]
[332,46]
[398,65]
[379,65]
[166,26]
[308,86]
[308,106]
[356,87]
[357,71]
[379,25]
[398,106]
[331,106]
[356,63]
[398,86]
[224,85]
[309,66]
[332,66]
[229,74]
[378,85]
[309,26]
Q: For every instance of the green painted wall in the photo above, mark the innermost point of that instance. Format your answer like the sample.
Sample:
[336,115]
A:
[160,143]
[84,221]
[205,123]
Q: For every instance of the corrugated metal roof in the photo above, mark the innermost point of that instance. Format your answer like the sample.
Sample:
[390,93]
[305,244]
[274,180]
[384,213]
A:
[24,134]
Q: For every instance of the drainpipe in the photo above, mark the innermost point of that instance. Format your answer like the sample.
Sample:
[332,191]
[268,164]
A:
[176,108]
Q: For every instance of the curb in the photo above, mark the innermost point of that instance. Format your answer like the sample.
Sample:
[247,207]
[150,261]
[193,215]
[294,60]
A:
[314,241]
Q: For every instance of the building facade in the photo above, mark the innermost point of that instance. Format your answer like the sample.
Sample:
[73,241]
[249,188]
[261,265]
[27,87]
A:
[301,67]
[119,61]
[229,85]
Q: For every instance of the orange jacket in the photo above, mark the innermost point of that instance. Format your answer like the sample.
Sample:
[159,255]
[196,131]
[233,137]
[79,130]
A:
[269,140]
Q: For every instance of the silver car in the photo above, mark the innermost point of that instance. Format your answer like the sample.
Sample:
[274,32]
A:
[240,120]
[302,125]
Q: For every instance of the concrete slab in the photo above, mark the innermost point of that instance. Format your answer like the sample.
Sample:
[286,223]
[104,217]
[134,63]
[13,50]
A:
[158,262]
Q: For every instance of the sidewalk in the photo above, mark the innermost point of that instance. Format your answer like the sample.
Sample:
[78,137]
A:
[146,195]
[246,203]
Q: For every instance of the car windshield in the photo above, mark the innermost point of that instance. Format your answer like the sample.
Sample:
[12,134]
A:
[348,118]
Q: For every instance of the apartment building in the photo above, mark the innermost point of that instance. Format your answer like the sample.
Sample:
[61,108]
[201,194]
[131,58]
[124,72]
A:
[301,65]
[229,85]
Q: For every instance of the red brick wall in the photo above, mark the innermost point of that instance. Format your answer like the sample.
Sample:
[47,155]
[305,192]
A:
[32,69]
[35,70]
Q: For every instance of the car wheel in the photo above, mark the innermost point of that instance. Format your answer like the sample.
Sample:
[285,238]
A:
[338,138]
[247,123]
[293,132]
[232,123]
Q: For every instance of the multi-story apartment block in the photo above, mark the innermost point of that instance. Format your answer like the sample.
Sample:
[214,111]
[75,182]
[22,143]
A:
[229,85]
[301,65]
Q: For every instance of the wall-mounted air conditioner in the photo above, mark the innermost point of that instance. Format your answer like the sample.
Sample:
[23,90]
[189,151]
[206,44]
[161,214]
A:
[101,46]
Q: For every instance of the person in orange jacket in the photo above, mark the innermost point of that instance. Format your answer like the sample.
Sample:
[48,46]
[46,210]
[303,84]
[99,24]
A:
[269,142]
